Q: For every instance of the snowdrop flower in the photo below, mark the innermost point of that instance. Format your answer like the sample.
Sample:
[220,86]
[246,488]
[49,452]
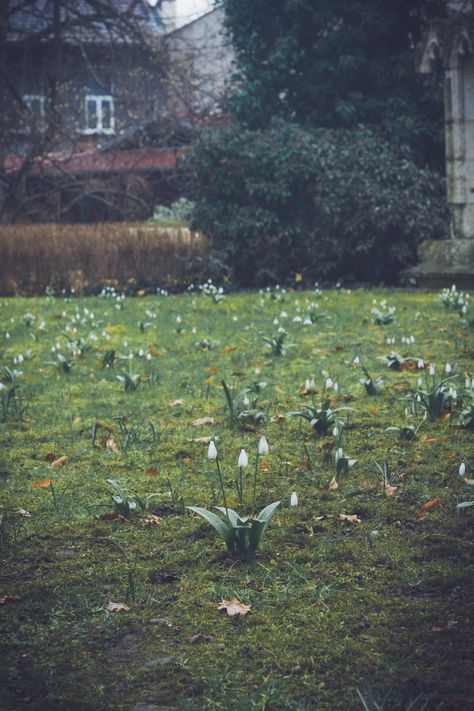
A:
[235,318]
[212,451]
[297,319]
[309,384]
[243,459]
[148,356]
[257,371]
[432,370]
[281,330]
[263,446]
[462,469]
[447,368]
[356,360]
[283,314]
[329,383]
[275,322]
[193,330]
[294,499]
[420,363]
[246,401]
[307,322]
[335,387]
[141,353]
[420,382]
[335,432]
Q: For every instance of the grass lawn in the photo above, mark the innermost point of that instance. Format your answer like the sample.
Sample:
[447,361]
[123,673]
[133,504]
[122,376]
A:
[356,594]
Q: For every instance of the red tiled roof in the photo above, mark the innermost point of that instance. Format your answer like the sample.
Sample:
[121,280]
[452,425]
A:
[94,162]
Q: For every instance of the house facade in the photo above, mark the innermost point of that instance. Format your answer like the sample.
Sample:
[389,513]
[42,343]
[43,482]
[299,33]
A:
[95,116]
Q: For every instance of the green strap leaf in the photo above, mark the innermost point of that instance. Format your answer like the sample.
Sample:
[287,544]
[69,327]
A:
[222,528]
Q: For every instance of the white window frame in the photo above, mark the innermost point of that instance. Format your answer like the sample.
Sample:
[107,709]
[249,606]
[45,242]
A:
[29,99]
[98,100]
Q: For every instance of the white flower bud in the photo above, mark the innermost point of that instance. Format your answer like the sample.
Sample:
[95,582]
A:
[263,446]
[294,499]
[462,469]
[432,370]
[212,451]
[447,368]
[243,459]
[329,383]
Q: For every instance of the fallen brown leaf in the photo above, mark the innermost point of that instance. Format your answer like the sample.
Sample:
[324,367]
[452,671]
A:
[429,506]
[199,638]
[111,444]
[50,457]
[373,410]
[203,421]
[117,607]
[152,518]
[352,518]
[333,486]
[175,403]
[469,482]
[234,607]
[158,577]
[9,598]
[24,512]
[60,461]
[42,483]
[388,489]
[152,472]
[112,516]
[452,626]
[202,440]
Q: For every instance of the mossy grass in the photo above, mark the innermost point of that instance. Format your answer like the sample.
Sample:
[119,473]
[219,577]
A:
[341,610]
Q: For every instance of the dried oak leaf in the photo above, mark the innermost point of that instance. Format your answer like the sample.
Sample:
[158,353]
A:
[203,421]
[50,457]
[333,485]
[234,607]
[152,518]
[351,518]
[60,461]
[429,506]
[117,607]
[175,403]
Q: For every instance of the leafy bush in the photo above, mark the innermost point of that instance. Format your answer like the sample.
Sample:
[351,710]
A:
[178,213]
[326,203]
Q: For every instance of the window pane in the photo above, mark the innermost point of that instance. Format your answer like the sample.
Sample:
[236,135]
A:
[91,114]
[106,114]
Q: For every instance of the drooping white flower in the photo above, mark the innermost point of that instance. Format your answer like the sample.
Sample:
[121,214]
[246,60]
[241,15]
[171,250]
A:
[294,499]
[432,370]
[329,383]
[448,368]
[212,451]
[462,469]
[263,446]
[243,459]
[356,360]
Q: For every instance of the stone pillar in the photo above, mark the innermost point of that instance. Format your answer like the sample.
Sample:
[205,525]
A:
[449,261]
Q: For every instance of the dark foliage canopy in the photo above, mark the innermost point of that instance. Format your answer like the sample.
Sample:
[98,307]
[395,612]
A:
[338,63]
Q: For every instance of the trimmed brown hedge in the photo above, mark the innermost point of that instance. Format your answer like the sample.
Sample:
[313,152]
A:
[85,257]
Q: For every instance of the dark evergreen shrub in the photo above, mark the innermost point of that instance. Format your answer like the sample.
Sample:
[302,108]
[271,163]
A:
[330,204]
